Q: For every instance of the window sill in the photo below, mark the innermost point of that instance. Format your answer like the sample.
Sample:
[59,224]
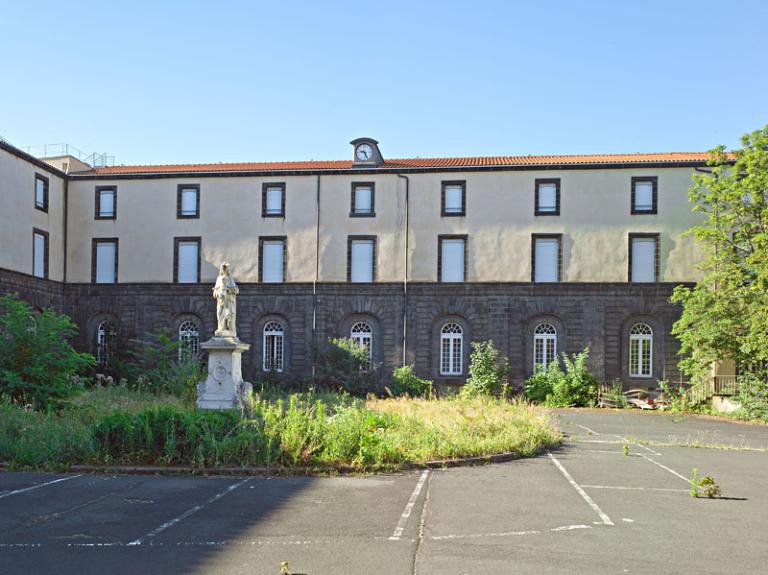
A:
[362,215]
[281,215]
[188,216]
[650,212]
[552,213]
[453,214]
[112,217]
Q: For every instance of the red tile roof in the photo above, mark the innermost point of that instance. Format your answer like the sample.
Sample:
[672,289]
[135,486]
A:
[410,163]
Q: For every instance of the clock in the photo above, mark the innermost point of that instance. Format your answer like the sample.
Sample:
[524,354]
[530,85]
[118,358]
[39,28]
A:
[364,152]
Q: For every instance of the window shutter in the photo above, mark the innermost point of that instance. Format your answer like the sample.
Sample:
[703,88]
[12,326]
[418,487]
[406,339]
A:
[105,263]
[363,200]
[362,261]
[454,196]
[547,197]
[643,196]
[189,202]
[188,258]
[452,260]
[106,203]
[643,260]
[272,266]
[274,200]
[546,260]
[39,256]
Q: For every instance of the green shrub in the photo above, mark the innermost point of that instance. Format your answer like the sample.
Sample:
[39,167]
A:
[159,368]
[37,362]
[574,387]
[753,397]
[404,382]
[487,373]
[343,367]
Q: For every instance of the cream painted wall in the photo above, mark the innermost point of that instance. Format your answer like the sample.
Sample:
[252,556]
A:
[18,216]
[595,221]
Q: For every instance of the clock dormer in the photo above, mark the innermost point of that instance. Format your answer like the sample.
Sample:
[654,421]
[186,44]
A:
[366,153]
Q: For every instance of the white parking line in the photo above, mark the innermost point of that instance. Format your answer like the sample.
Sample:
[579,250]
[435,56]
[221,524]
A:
[397,533]
[580,491]
[585,428]
[187,513]
[508,533]
[672,471]
[17,491]
[634,488]
[640,445]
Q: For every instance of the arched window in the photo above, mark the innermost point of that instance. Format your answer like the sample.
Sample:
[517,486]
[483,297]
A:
[106,334]
[189,341]
[451,346]
[544,345]
[362,334]
[640,350]
[274,343]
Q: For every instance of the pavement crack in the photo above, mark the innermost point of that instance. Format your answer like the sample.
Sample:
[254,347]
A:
[422,526]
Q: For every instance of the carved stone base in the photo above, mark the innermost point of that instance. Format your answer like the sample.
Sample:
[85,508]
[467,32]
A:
[224,388]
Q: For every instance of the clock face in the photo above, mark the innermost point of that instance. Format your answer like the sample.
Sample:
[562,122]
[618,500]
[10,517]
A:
[364,152]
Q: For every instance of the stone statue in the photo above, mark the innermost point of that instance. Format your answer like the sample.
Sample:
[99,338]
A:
[225,293]
[224,388]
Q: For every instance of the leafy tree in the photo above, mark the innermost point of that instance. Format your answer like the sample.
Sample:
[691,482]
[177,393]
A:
[575,386]
[405,382]
[725,316]
[343,367]
[37,362]
[487,373]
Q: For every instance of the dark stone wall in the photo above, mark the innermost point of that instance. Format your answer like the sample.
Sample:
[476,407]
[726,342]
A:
[585,314]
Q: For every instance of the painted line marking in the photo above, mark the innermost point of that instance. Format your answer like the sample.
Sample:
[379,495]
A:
[509,533]
[634,488]
[401,523]
[640,445]
[599,441]
[17,491]
[188,512]
[672,471]
[585,428]
[609,452]
[580,491]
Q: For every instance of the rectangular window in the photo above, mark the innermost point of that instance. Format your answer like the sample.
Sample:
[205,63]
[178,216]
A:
[106,202]
[547,197]
[363,199]
[361,259]
[453,199]
[273,200]
[272,258]
[643,258]
[546,256]
[188,201]
[645,195]
[41,192]
[186,265]
[104,260]
[40,253]
[451,258]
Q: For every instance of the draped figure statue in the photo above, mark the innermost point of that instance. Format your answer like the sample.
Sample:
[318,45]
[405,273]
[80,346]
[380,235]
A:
[225,293]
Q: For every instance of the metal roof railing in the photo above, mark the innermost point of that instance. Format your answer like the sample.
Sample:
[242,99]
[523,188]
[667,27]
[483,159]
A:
[95,159]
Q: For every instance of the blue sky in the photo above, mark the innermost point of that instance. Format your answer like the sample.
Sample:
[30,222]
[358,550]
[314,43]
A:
[165,82]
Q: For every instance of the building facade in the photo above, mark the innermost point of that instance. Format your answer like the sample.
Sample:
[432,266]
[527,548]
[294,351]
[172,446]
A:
[414,258]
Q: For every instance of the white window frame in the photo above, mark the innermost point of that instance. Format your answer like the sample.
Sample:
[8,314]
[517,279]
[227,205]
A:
[106,334]
[269,192]
[273,347]
[453,187]
[110,192]
[267,275]
[362,275]
[451,349]
[357,210]
[445,276]
[361,333]
[194,192]
[641,350]
[103,275]
[541,208]
[539,275]
[184,278]
[635,268]
[189,340]
[544,346]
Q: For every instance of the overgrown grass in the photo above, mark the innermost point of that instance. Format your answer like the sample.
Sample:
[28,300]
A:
[112,426]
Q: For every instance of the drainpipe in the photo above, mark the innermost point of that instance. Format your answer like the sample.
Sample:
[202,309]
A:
[64,241]
[405,267]
[317,277]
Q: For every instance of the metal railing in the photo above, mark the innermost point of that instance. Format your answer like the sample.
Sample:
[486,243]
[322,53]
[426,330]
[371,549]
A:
[726,385]
[63,149]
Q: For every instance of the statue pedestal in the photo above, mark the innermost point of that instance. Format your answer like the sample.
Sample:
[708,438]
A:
[224,388]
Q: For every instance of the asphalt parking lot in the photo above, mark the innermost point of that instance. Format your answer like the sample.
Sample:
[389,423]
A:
[586,508]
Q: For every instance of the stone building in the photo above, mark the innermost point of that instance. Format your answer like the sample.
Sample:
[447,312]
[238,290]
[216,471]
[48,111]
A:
[415,258]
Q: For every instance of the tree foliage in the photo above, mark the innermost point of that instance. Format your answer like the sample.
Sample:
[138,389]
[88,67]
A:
[487,372]
[725,316]
[343,367]
[574,387]
[37,362]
